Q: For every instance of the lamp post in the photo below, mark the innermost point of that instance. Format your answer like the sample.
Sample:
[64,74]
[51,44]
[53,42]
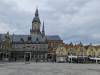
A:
[82,54]
[71,55]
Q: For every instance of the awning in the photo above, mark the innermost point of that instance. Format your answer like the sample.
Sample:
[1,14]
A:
[95,58]
[72,56]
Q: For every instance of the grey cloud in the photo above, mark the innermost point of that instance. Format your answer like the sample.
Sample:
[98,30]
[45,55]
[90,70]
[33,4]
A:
[73,20]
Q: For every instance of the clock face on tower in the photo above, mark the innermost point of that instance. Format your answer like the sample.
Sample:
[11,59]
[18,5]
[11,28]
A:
[36,26]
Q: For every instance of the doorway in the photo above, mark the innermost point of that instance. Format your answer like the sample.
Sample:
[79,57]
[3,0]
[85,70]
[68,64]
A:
[27,56]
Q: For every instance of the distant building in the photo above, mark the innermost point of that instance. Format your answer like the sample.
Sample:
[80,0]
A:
[61,53]
[83,54]
[53,42]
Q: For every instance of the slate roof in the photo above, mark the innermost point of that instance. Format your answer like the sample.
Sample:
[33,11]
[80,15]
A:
[53,37]
[17,38]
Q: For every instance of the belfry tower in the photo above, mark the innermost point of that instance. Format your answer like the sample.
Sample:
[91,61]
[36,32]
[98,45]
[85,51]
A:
[36,24]
[36,34]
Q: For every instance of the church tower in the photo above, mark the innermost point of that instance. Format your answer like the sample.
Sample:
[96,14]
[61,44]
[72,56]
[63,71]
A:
[36,24]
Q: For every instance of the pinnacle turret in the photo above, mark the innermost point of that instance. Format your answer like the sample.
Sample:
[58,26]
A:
[43,30]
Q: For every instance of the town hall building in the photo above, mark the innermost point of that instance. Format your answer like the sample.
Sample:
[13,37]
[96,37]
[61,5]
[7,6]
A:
[32,47]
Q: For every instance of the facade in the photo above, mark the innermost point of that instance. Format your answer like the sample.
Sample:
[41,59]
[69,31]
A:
[53,42]
[98,51]
[32,47]
[83,54]
[91,51]
[61,53]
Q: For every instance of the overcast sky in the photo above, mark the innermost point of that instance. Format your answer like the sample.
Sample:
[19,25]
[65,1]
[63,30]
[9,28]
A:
[72,20]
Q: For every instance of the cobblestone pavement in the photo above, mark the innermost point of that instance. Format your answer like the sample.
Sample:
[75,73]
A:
[49,69]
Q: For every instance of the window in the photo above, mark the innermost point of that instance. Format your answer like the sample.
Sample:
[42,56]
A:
[37,39]
[29,38]
[21,39]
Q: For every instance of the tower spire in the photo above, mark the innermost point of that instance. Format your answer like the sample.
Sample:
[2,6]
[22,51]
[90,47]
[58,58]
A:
[43,30]
[36,18]
[36,13]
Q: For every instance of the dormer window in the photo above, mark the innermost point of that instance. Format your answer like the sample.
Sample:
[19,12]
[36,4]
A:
[21,39]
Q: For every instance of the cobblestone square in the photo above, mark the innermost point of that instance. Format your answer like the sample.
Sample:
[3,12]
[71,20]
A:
[21,68]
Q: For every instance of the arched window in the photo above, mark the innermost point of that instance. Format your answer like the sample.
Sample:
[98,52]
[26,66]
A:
[37,39]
